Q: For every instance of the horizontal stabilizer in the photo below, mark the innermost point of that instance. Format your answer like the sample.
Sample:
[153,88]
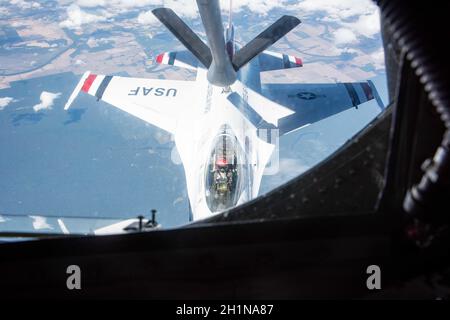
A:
[264,40]
[185,34]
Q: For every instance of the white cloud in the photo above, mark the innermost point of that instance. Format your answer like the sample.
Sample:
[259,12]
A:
[261,7]
[91,3]
[344,36]
[378,59]
[148,18]
[4,11]
[351,51]
[92,42]
[120,5]
[184,8]
[95,42]
[367,25]
[134,3]
[4,102]
[77,17]
[25,4]
[40,223]
[2,219]
[360,17]
[47,99]
[79,62]
[337,10]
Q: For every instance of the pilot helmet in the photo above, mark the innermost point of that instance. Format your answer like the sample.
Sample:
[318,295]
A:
[221,162]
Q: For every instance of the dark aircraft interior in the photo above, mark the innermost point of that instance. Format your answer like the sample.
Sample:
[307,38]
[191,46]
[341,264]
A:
[381,199]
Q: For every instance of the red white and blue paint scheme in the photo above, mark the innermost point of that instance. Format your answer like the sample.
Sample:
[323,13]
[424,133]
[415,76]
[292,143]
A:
[225,124]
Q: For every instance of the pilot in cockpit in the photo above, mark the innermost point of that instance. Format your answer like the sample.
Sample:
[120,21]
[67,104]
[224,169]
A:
[223,176]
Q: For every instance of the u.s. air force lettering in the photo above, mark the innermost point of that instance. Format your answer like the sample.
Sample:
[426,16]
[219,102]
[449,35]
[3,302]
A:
[159,92]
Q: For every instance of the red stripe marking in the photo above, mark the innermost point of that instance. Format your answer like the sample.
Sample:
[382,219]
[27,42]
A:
[298,61]
[159,58]
[221,162]
[88,82]
[367,90]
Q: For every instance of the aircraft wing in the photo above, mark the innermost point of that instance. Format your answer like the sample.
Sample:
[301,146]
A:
[155,101]
[182,59]
[269,61]
[314,102]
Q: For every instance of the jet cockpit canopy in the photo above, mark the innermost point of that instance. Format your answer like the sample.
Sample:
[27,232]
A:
[224,172]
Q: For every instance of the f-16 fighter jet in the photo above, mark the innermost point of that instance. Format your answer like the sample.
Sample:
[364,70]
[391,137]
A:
[225,124]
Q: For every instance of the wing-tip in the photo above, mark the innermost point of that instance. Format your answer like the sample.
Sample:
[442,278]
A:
[294,20]
[159,11]
[76,90]
[376,95]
